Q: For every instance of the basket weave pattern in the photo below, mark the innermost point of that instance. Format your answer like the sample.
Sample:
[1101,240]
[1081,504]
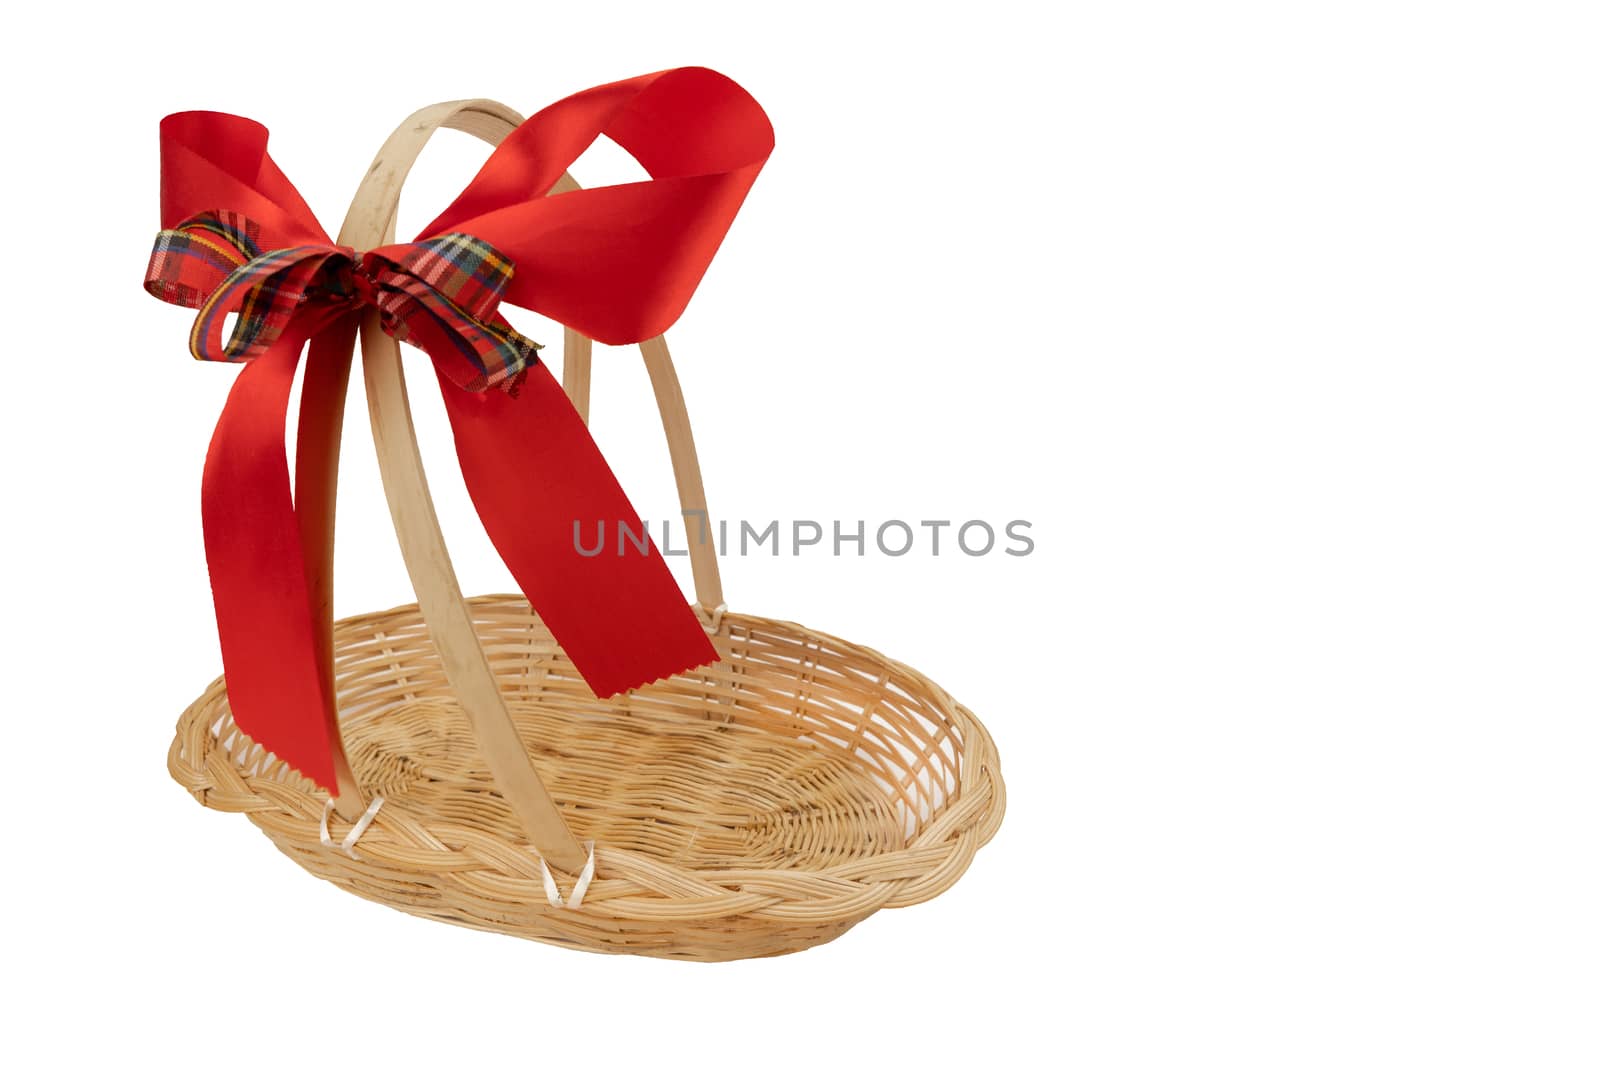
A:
[757,806]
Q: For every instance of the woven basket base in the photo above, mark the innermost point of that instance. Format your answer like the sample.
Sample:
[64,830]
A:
[758,806]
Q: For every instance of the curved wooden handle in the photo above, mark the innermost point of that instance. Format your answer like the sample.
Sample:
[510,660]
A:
[370,222]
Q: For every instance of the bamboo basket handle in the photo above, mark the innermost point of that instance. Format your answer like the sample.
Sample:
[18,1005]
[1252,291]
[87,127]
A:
[369,223]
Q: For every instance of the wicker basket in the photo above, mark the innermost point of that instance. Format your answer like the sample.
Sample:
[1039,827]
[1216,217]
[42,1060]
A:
[758,806]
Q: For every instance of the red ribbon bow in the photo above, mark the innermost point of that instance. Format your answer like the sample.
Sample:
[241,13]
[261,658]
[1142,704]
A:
[617,263]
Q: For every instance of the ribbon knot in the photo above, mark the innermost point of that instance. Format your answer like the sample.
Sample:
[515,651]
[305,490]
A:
[368,292]
[440,294]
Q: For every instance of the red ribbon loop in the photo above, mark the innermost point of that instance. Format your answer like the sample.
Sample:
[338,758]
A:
[617,263]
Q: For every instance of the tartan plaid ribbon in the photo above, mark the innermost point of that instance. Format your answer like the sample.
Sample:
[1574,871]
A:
[440,294]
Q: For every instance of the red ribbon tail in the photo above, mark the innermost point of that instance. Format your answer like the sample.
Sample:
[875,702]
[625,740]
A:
[270,637]
[545,495]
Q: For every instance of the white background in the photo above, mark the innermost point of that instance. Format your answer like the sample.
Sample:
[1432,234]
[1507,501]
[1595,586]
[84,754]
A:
[1279,323]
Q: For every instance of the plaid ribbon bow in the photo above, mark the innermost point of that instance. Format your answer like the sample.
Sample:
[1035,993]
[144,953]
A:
[440,294]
